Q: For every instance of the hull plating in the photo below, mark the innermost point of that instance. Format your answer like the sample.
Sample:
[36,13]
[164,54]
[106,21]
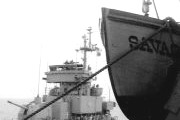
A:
[143,80]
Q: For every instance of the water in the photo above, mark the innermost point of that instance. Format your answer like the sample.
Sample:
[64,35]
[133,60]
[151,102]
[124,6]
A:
[117,112]
[10,112]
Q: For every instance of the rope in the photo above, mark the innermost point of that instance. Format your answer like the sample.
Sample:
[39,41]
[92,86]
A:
[155,9]
[96,73]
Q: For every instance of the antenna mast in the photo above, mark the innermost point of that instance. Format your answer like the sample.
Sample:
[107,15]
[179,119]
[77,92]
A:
[86,48]
[89,32]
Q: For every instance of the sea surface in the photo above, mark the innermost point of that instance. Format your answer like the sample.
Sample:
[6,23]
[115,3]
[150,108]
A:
[10,112]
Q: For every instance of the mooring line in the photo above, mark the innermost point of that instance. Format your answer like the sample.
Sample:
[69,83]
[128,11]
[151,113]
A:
[96,73]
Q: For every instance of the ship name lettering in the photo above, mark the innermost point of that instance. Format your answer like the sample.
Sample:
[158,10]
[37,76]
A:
[153,46]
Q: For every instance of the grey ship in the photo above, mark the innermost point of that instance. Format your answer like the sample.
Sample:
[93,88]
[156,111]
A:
[143,55]
[82,103]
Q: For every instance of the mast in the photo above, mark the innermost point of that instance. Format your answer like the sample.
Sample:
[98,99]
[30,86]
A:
[85,52]
[86,48]
[89,32]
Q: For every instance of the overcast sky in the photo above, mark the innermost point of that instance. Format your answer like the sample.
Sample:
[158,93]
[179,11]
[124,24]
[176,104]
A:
[52,30]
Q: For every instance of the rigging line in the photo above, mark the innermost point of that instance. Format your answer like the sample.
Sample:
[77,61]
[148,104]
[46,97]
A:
[96,73]
[109,94]
[46,81]
[155,9]
[39,75]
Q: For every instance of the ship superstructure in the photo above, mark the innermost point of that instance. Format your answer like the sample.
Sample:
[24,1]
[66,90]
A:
[84,103]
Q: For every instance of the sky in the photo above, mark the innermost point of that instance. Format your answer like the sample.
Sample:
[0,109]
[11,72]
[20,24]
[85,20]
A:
[38,33]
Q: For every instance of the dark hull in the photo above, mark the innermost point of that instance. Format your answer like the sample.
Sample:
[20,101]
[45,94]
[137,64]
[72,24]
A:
[144,80]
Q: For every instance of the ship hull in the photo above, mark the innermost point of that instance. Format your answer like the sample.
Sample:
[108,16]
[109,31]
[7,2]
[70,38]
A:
[144,80]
